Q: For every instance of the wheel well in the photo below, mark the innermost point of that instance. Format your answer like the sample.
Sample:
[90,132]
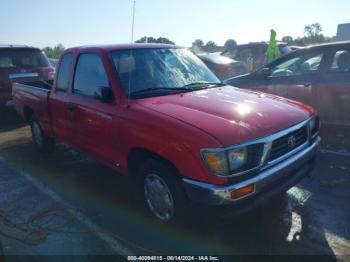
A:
[137,155]
[28,113]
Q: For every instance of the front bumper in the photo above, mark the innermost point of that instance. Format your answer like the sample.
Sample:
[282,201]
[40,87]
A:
[272,180]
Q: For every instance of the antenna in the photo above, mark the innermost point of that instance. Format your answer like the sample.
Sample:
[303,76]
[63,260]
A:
[131,49]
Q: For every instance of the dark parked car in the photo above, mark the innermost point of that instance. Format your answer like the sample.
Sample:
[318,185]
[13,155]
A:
[21,62]
[223,67]
[317,75]
[254,54]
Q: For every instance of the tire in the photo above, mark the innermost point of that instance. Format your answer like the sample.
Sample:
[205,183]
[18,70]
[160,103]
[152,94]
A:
[44,144]
[162,191]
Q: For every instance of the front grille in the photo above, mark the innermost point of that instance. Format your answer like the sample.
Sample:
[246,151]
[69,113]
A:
[287,143]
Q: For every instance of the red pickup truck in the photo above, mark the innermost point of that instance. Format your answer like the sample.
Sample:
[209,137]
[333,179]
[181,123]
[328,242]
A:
[157,113]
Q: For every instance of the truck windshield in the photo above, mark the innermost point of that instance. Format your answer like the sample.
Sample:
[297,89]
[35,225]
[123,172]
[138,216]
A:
[160,71]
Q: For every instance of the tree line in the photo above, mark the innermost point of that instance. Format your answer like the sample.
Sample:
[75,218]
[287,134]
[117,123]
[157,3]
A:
[54,52]
[312,35]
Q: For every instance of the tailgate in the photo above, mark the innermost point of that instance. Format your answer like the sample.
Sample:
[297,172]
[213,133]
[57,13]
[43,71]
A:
[32,99]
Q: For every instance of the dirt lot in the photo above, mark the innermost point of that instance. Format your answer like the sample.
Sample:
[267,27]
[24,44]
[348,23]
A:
[73,205]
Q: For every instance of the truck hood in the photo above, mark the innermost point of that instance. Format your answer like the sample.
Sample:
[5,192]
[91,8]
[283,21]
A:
[230,114]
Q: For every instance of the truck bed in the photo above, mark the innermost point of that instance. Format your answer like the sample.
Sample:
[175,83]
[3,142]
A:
[40,84]
[33,98]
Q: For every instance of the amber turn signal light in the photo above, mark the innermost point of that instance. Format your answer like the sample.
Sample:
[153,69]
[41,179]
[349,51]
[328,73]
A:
[243,191]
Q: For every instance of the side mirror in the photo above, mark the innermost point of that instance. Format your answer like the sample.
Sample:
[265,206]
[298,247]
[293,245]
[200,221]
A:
[105,94]
[264,72]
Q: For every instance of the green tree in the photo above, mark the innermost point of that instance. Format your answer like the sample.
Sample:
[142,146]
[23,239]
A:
[313,35]
[164,40]
[288,39]
[54,52]
[313,30]
[230,44]
[48,51]
[150,39]
[198,42]
[146,39]
[211,44]
[299,41]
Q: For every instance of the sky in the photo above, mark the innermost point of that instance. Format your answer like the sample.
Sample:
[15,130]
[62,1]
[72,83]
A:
[85,22]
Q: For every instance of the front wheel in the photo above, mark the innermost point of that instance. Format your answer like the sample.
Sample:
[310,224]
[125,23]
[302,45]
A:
[43,143]
[162,190]
[159,198]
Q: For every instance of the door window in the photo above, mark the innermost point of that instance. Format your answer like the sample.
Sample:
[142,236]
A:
[298,65]
[63,72]
[341,61]
[90,75]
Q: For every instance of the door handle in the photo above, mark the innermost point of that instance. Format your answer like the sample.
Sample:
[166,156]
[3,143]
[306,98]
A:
[70,107]
[303,85]
[307,84]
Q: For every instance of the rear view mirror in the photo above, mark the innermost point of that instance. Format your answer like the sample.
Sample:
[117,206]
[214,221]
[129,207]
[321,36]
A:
[105,94]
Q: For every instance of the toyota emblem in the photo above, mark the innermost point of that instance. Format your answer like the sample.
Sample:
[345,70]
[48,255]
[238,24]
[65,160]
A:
[291,141]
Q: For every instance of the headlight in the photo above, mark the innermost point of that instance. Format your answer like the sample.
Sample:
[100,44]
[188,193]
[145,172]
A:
[233,161]
[237,157]
[216,161]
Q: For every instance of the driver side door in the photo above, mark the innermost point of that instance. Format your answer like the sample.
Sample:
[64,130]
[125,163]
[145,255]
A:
[92,119]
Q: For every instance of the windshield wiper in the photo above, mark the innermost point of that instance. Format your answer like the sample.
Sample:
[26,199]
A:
[186,88]
[165,89]
[200,85]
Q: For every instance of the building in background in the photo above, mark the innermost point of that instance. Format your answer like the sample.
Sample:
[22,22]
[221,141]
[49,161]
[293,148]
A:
[343,33]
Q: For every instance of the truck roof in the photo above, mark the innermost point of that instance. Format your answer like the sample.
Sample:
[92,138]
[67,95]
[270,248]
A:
[122,46]
[19,47]
[332,44]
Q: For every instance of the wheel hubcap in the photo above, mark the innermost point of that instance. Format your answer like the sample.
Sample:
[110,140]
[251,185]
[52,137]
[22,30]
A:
[158,197]
[37,133]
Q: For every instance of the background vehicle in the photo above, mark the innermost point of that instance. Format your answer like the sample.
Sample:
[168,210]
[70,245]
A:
[53,62]
[254,54]
[223,67]
[153,113]
[21,62]
[317,75]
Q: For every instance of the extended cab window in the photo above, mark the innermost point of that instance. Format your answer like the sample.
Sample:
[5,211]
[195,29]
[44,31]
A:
[90,75]
[63,72]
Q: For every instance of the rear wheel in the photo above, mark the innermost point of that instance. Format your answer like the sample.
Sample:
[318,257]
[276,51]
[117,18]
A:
[43,143]
[162,190]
